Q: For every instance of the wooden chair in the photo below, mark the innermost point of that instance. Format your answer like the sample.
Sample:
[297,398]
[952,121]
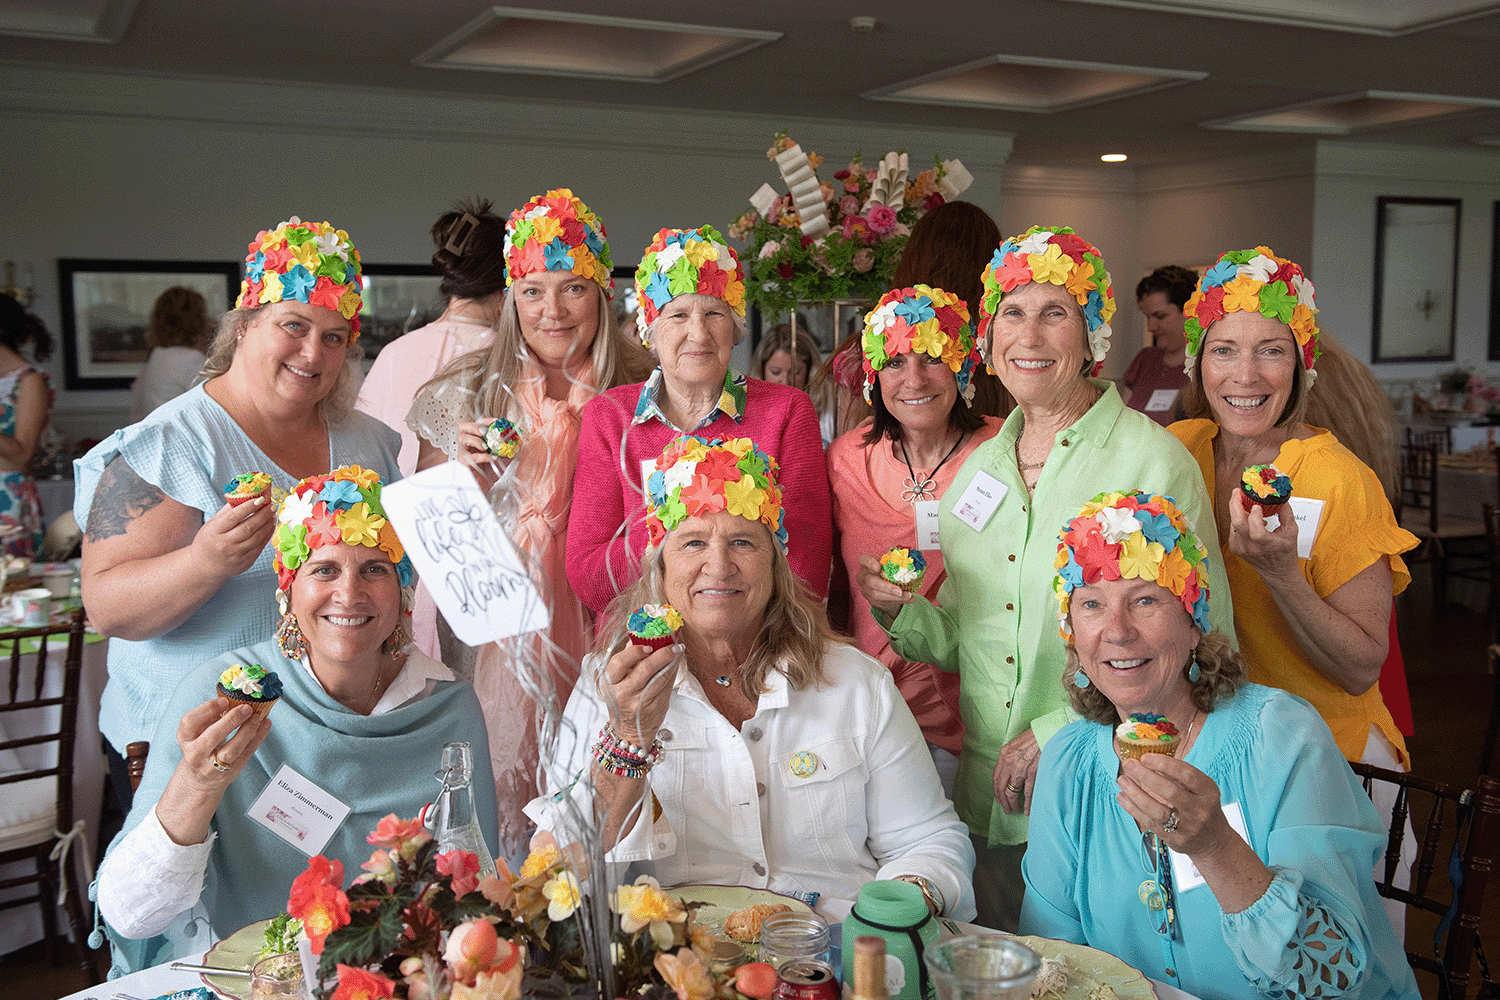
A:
[1443,538]
[1440,438]
[1476,823]
[39,799]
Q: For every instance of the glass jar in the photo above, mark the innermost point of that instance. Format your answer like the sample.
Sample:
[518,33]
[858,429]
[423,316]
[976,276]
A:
[788,936]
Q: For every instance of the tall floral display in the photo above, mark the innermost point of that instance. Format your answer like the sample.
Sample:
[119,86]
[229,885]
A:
[825,241]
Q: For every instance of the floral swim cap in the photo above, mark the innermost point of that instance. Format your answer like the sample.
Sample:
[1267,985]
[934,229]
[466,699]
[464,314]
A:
[308,261]
[1060,257]
[557,232]
[687,262]
[695,477]
[1128,535]
[1254,281]
[921,320]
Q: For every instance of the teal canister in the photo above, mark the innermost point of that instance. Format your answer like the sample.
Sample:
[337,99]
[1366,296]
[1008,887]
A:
[897,912]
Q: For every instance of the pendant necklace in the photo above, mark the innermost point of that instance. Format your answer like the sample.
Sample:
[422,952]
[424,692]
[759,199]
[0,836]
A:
[924,488]
[722,680]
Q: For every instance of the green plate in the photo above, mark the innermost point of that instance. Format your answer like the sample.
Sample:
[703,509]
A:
[239,950]
[1098,968]
[722,900]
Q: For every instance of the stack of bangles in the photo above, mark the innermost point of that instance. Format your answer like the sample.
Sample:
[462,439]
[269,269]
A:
[618,757]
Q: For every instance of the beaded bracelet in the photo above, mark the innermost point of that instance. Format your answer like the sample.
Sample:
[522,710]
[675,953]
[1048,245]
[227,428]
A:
[622,758]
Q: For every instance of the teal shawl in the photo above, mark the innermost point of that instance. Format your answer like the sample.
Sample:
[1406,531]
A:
[375,764]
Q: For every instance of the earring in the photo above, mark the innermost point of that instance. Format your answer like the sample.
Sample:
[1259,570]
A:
[397,642]
[1080,679]
[289,638]
[1195,673]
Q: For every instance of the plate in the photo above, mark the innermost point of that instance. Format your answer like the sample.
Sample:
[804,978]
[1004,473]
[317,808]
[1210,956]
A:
[238,951]
[1099,969]
[722,900]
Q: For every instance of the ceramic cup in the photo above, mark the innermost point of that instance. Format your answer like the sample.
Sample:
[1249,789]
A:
[31,608]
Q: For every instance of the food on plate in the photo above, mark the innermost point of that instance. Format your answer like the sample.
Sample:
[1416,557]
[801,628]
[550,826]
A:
[1052,978]
[756,980]
[281,935]
[744,925]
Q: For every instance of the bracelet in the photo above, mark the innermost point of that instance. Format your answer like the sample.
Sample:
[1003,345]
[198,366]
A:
[930,893]
[624,759]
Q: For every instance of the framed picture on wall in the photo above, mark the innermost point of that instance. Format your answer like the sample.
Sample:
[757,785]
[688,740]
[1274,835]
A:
[1495,285]
[398,298]
[1416,283]
[106,310]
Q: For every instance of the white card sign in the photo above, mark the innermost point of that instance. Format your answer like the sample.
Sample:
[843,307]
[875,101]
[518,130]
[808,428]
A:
[298,811]
[1308,514]
[463,555]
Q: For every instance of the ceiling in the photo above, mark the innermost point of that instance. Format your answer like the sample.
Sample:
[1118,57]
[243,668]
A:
[1177,63]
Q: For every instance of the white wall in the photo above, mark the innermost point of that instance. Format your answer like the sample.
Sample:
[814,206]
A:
[112,166]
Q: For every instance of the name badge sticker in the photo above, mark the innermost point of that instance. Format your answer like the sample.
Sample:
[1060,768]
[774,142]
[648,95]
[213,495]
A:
[1185,874]
[648,466]
[926,513]
[298,811]
[1309,514]
[1161,400]
[980,499]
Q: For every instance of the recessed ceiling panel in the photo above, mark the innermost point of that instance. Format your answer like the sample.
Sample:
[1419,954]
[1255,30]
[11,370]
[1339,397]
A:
[1368,17]
[516,40]
[1349,113]
[67,20]
[1024,83]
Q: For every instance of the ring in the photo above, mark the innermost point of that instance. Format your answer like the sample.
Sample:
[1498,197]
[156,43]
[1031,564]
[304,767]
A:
[1017,789]
[219,765]
[1170,826]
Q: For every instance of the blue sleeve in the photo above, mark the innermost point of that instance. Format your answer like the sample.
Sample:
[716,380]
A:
[1051,863]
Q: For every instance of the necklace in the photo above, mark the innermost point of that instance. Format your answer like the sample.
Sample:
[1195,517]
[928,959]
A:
[924,488]
[380,684]
[1197,715]
[722,680]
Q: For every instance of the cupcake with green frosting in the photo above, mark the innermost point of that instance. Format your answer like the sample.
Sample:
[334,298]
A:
[906,568]
[251,685]
[246,487]
[654,626]
[502,439]
[1266,487]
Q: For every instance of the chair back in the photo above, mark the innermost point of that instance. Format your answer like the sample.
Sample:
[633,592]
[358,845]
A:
[32,699]
[1440,438]
[1430,804]
[1419,481]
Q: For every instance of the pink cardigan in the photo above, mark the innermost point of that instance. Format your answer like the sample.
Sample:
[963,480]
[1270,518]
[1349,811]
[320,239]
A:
[602,559]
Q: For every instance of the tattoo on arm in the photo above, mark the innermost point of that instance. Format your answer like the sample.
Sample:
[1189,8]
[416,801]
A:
[122,497]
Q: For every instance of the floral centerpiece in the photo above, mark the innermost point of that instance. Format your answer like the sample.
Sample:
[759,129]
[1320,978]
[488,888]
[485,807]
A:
[841,239]
[423,925]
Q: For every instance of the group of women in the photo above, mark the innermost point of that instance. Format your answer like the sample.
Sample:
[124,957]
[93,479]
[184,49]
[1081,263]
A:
[760,748]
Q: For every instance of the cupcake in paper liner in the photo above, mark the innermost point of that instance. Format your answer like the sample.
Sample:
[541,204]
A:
[1146,732]
[906,568]
[1266,487]
[251,685]
[654,626]
[501,438]
[246,487]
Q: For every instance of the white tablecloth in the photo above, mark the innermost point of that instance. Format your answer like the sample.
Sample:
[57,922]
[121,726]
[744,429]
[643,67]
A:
[156,981]
[22,925]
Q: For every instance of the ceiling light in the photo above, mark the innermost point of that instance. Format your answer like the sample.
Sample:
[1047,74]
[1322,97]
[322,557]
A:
[1030,83]
[1347,113]
[862,24]
[1114,157]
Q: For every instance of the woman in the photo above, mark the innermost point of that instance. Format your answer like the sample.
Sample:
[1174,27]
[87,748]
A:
[1255,839]
[556,345]
[691,294]
[788,356]
[1045,322]
[173,574]
[360,724]
[178,333]
[470,254]
[830,752]
[1313,612]
[25,400]
[1155,377]
[888,475]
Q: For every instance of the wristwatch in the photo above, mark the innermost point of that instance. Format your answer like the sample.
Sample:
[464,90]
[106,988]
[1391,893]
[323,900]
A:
[931,893]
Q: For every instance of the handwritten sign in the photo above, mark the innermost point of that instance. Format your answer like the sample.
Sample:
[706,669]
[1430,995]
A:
[463,555]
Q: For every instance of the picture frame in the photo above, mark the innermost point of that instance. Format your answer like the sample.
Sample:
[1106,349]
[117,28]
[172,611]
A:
[106,310]
[1494,352]
[1416,279]
[398,298]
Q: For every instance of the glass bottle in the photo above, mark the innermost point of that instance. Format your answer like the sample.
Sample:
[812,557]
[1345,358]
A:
[788,936]
[454,824]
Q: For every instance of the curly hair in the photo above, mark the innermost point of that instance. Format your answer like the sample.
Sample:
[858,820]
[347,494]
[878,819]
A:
[1222,671]
[1177,283]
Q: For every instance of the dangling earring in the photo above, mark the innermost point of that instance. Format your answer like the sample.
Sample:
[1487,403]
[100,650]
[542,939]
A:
[396,642]
[289,638]
[1080,679]
[1195,673]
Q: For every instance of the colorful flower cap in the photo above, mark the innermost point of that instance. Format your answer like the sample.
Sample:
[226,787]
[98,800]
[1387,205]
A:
[921,320]
[695,476]
[687,262]
[339,506]
[1060,257]
[308,261]
[1254,281]
[1126,535]
[557,232]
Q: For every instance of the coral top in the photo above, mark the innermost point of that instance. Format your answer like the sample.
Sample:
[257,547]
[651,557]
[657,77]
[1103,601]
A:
[869,517]
[1357,528]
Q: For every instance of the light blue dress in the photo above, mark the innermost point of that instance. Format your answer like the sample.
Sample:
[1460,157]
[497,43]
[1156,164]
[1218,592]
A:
[189,448]
[1306,817]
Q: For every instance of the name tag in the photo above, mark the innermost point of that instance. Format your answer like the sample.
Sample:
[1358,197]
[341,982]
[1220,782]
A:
[1185,874]
[1309,514]
[926,513]
[298,811]
[1161,400]
[980,499]
[648,466]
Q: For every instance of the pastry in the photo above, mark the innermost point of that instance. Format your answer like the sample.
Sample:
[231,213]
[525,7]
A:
[654,626]
[251,685]
[1264,486]
[246,487]
[1146,732]
[502,439]
[744,925]
[904,567]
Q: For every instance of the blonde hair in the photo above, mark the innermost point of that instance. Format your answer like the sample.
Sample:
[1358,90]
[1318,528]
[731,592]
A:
[794,635]
[1222,671]
[333,408]
[1354,406]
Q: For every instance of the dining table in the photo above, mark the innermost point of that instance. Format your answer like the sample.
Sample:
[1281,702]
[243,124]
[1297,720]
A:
[1466,480]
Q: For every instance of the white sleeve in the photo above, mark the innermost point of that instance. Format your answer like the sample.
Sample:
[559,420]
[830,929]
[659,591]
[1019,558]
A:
[147,880]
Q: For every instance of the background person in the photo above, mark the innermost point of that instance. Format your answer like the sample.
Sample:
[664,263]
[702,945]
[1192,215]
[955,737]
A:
[25,402]
[1155,377]
[178,333]
[788,358]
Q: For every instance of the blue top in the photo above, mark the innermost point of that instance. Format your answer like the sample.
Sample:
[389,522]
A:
[1306,817]
[188,448]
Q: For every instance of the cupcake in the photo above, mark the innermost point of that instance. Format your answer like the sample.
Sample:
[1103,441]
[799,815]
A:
[1265,487]
[654,626]
[1145,732]
[247,487]
[904,567]
[251,685]
[502,439]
